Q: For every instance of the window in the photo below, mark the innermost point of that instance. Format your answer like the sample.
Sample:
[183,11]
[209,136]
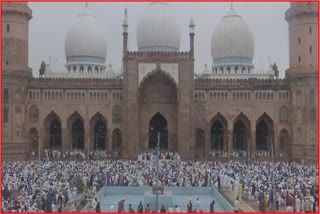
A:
[89,69]
[299,41]
[310,49]
[310,30]
[96,69]
[8,28]
[313,116]
[5,115]
[200,114]
[81,69]
[283,114]
[311,96]
[34,113]
[299,59]
[74,68]
[5,95]
[228,69]
[116,114]
[7,62]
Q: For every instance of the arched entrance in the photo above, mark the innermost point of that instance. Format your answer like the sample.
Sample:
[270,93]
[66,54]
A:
[200,144]
[239,136]
[264,134]
[158,124]
[217,136]
[117,141]
[100,133]
[33,140]
[284,140]
[55,134]
[77,134]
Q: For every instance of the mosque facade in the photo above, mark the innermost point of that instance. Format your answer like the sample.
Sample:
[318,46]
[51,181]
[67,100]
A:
[158,96]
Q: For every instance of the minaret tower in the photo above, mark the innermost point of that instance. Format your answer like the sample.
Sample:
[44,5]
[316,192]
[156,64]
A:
[15,78]
[302,75]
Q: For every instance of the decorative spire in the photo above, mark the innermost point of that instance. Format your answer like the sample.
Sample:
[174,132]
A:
[125,21]
[191,25]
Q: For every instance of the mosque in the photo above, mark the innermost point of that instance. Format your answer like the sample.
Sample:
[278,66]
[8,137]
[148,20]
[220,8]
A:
[229,107]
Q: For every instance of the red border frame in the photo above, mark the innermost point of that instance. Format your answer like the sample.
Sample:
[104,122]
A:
[156,1]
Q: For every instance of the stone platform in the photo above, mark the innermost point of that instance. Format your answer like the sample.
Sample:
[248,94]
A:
[166,198]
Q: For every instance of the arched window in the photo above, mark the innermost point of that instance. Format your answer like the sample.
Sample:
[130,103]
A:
[299,41]
[284,114]
[96,69]
[311,96]
[313,116]
[221,70]
[228,69]
[116,114]
[69,69]
[89,69]
[34,113]
[5,95]
[81,69]
[257,96]
[8,28]
[200,114]
[74,68]
[243,69]
[310,49]
[249,70]
[310,30]
[236,69]
[264,96]
[5,115]
[226,95]
[299,59]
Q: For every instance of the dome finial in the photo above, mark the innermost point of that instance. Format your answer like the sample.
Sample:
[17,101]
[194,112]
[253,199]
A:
[86,4]
[231,5]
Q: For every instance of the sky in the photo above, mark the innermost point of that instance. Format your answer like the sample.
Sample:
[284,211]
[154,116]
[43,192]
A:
[51,21]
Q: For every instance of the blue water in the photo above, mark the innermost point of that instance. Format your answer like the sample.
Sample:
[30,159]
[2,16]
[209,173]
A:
[181,196]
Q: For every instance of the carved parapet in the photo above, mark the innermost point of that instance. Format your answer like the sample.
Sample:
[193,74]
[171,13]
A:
[300,9]
[77,82]
[241,83]
[159,54]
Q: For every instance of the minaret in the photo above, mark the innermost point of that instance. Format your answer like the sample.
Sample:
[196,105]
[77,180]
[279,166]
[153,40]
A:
[303,38]
[191,34]
[125,33]
[302,77]
[15,78]
[15,35]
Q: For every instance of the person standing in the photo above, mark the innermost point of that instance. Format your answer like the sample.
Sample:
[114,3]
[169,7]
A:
[131,210]
[140,207]
[189,206]
[98,209]
[147,209]
[198,205]
[236,205]
[212,206]
[121,205]
[177,209]
[163,210]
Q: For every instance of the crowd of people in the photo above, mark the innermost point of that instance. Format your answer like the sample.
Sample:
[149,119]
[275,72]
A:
[51,185]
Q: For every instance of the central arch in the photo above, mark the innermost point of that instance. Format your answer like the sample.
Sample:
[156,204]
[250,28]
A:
[55,134]
[158,125]
[99,135]
[77,134]
[218,130]
[264,133]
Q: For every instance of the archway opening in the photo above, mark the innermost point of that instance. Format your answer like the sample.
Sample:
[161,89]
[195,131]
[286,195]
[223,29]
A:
[77,135]
[217,136]
[158,126]
[262,137]
[55,134]
[100,135]
[239,136]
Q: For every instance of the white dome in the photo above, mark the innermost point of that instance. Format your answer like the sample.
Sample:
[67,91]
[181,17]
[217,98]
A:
[232,40]
[157,30]
[85,41]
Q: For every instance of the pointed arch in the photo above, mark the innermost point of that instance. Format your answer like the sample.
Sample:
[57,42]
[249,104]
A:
[264,133]
[99,127]
[284,142]
[75,125]
[241,133]
[218,130]
[200,146]
[52,124]
[157,71]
